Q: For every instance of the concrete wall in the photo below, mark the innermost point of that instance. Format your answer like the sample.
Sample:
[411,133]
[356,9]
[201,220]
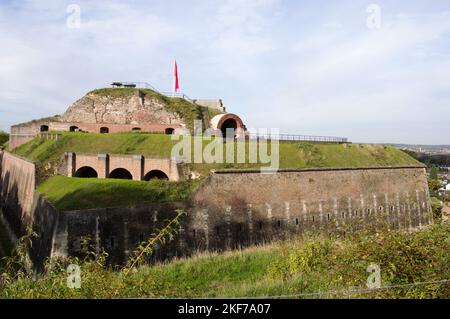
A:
[22,133]
[211,103]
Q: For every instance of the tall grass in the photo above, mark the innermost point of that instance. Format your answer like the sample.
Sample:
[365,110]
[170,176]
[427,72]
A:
[307,264]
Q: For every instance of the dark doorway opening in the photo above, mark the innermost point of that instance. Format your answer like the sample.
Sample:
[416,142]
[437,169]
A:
[169,130]
[104,130]
[136,129]
[73,128]
[229,124]
[155,174]
[44,128]
[86,172]
[120,173]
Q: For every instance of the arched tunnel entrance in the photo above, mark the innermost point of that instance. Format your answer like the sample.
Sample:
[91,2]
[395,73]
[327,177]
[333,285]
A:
[228,128]
[228,121]
[86,172]
[155,174]
[120,173]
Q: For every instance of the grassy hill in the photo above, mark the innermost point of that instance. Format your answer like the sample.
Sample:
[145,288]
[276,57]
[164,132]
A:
[292,154]
[304,265]
[73,193]
[80,193]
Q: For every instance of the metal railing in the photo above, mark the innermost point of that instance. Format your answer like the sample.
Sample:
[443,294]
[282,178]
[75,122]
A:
[300,138]
[145,85]
[179,95]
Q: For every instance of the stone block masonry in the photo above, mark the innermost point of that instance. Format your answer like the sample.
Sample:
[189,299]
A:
[230,209]
[241,208]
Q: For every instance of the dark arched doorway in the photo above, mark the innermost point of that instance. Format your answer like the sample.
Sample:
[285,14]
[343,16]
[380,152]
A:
[86,172]
[231,125]
[169,130]
[120,173]
[155,174]
[136,129]
[73,128]
[44,128]
[104,130]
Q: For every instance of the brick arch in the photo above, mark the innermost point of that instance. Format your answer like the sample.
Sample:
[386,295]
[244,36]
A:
[221,121]
[120,173]
[155,174]
[104,129]
[86,172]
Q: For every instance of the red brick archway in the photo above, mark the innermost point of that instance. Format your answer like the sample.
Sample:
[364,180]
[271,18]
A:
[222,122]
[155,174]
[120,173]
[86,172]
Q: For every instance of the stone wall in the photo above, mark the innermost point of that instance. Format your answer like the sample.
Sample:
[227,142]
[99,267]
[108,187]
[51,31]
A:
[22,206]
[22,133]
[17,190]
[112,128]
[232,210]
[127,109]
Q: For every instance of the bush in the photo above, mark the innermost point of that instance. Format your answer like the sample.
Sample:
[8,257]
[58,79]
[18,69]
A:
[4,137]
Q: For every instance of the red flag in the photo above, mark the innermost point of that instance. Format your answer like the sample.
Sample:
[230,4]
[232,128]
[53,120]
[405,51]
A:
[176,85]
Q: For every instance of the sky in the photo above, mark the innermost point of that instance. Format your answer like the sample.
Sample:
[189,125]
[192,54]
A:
[375,72]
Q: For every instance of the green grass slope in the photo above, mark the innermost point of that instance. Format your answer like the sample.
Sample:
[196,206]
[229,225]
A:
[303,265]
[291,154]
[82,193]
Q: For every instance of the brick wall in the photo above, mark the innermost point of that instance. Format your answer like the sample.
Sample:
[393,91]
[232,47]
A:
[137,165]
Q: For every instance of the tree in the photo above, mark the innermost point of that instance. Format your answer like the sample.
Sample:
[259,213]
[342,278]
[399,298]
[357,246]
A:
[434,172]
[4,137]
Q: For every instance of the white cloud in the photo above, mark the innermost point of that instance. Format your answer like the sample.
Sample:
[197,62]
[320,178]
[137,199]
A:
[303,67]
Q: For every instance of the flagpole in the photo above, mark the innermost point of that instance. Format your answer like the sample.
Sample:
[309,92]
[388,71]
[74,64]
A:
[174,77]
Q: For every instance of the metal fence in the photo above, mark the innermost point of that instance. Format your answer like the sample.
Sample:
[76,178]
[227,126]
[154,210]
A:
[179,95]
[145,85]
[300,138]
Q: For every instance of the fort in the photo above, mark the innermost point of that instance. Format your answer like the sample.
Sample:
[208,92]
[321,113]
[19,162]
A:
[326,185]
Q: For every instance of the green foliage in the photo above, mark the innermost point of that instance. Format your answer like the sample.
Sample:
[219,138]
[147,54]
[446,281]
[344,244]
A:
[304,265]
[434,172]
[18,266]
[4,137]
[82,193]
[160,237]
[411,153]
[6,246]
[436,207]
[291,154]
